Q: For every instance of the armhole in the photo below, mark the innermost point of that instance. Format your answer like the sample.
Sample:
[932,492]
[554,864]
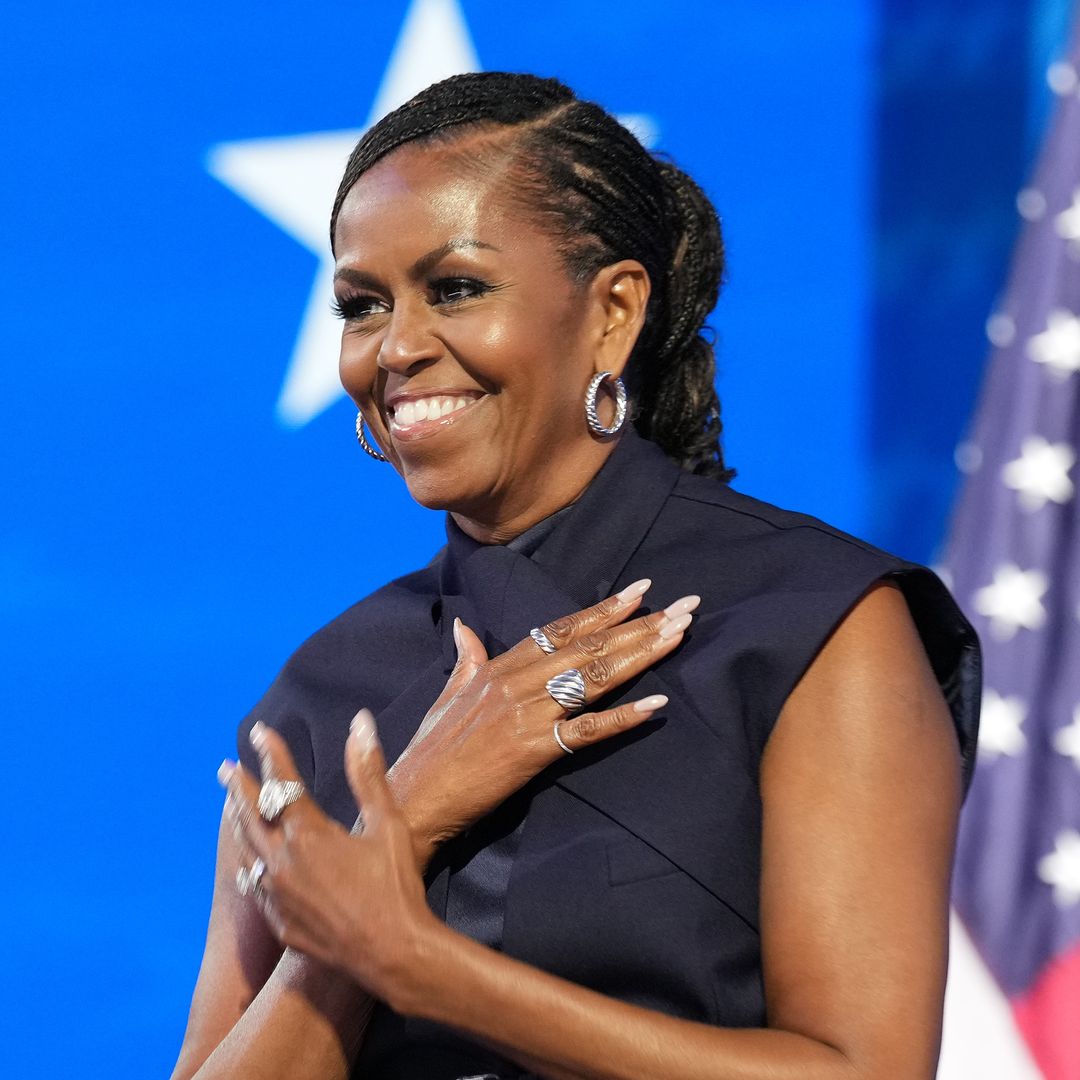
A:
[948,639]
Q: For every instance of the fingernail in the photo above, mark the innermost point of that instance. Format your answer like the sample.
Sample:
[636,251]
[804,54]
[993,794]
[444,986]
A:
[632,592]
[682,606]
[457,635]
[362,729]
[257,735]
[651,704]
[675,626]
[225,771]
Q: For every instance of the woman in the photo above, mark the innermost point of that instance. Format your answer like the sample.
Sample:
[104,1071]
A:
[736,862]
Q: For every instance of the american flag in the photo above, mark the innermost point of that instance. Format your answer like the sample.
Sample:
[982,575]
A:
[1013,558]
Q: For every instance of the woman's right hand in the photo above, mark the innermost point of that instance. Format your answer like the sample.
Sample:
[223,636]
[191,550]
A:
[492,728]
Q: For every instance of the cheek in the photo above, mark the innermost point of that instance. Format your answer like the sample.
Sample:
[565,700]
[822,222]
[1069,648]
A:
[356,366]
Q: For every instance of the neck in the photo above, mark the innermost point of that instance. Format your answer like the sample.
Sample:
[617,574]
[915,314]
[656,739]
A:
[513,517]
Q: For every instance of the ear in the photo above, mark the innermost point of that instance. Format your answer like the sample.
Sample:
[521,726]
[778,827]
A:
[621,295]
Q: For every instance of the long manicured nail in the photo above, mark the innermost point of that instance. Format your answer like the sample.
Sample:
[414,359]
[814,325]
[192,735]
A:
[675,626]
[651,704]
[257,735]
[457,635]
[632,592]
[363,731]
[225,771]
[682,606]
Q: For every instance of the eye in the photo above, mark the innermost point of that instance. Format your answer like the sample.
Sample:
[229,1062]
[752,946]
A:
[457,290]
[356,307]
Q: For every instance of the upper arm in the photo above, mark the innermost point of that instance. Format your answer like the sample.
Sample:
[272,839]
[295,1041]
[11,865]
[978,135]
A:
[239,957]
[861,791]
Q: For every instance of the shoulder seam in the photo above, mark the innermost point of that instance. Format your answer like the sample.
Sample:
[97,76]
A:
[813,526]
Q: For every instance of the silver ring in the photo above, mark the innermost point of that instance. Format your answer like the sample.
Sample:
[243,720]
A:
[568,689]
[276,795]
[541,639]
[249,882]
[558,738]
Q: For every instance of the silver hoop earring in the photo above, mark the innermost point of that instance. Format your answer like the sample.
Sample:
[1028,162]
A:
[362,439]
[592,417]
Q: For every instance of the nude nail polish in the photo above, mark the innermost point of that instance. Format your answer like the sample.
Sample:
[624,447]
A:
[225,771]
[675,626]
[651,704]
[362,730]
[682,606]
[633,591]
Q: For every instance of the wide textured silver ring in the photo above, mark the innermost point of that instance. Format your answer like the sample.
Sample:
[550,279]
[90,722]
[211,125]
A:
[541,639]
[558,738]
[275,796]
[568,689]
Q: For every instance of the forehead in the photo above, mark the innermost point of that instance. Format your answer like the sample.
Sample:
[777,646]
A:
[427,195]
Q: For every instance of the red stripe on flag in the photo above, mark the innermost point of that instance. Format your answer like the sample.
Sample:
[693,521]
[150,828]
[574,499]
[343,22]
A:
[1049,1017]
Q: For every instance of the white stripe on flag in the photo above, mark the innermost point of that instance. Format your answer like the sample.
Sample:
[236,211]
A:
[980,1040]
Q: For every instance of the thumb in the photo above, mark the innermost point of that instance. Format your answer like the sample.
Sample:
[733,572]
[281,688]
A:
[365,768]
[471,654]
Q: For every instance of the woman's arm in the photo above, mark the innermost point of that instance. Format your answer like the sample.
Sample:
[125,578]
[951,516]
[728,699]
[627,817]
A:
[258,1010]
[861,787]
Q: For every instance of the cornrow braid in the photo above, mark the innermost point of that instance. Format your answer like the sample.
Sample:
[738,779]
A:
[602,197]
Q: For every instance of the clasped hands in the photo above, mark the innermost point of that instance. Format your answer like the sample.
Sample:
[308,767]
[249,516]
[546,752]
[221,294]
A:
[355,900]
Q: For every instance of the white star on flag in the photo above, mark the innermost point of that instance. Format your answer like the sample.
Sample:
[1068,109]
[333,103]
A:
[1041,472]
[1013,600]
[293,179]
[1061,868]
[999,725]
[1067,222]
[1058,346]
[1067,739]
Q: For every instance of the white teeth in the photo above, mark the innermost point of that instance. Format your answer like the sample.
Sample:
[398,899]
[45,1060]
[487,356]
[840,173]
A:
[418,409]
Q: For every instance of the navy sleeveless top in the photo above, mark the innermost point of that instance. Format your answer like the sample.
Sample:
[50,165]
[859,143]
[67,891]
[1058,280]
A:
[631,867]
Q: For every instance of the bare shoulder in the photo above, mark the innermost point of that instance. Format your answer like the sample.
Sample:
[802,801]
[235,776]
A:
[870,684]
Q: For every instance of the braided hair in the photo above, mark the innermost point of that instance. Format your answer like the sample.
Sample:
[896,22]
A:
[602,197]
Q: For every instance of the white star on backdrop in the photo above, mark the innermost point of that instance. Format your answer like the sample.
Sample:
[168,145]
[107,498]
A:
[1058,346]
[1067,739]
[293,180]
[1041,472]
[1013,600]
[1061,868]
[999,725]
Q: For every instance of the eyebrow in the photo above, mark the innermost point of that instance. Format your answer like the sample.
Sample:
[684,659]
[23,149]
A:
[422,265]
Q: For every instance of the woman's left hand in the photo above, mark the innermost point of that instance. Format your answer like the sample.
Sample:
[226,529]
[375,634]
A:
[353,900]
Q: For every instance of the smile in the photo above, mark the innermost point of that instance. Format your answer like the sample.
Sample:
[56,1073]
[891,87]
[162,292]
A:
[417,416]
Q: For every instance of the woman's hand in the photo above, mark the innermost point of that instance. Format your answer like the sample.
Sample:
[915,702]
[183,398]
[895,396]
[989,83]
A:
[493,727]
[352,900]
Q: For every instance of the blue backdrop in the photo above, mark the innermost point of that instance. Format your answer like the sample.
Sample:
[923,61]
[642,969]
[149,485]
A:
[169,538]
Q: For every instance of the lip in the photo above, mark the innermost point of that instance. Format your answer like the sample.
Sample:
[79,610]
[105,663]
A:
[424,429]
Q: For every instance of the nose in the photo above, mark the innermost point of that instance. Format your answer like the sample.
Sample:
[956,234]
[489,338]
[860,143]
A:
[409,341]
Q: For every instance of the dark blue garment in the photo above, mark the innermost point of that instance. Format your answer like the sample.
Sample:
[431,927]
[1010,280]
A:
[637,861]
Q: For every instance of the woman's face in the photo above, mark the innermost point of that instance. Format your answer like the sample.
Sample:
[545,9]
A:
[465,343]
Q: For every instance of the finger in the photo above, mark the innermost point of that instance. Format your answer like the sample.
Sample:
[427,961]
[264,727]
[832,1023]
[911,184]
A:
[365,769]
[274,757]
[581,731]
[243,791]
[563,631]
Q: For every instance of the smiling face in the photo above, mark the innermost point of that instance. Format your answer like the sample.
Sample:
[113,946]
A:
[467,345]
